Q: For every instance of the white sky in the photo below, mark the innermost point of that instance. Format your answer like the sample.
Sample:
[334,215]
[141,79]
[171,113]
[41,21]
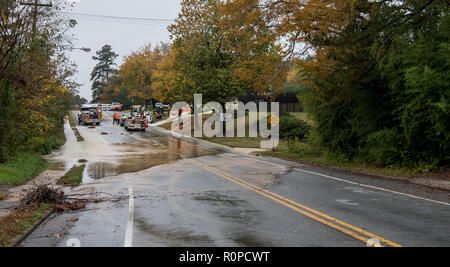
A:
[123,35]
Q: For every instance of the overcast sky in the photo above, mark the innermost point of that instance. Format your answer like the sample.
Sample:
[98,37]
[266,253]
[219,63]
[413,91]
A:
[123,35]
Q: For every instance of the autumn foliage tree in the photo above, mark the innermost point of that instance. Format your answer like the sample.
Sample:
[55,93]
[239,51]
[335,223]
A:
[212,56]
[166,78]
[35,82]
[354,60]
[138,71]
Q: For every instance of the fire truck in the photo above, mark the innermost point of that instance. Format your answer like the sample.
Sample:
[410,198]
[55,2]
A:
[90,115]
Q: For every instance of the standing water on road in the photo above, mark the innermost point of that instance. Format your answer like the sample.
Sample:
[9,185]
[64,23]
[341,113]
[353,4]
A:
[108,152]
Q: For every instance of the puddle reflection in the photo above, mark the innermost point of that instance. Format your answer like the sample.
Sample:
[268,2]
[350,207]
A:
[144,156]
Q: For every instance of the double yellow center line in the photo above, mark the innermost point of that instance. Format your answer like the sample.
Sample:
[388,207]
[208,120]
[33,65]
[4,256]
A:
[339,225]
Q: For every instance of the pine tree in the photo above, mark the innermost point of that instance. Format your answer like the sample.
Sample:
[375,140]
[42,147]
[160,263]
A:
[103,70]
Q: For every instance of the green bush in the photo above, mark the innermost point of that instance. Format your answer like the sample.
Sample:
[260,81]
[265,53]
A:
[36,144]
[385,148]
[45,144]
[303,149]
[292,128]
[391,106]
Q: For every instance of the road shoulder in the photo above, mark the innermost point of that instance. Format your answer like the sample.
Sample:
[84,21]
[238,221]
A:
[434,183]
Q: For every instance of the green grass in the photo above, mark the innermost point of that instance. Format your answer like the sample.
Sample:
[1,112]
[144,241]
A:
[244,142]
[20,221]
[308,154]
[73,177]
[2,197]
[23,168]
[71,119]
[74,127]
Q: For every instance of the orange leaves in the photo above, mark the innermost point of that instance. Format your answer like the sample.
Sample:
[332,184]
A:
[295,20]
[317,25]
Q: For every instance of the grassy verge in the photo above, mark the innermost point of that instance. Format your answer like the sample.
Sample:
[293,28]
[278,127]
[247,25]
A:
[73,177]
[235,142]
[244,142]
[304,153]
[23,168]
[19,222]
[308,154]
[74,127]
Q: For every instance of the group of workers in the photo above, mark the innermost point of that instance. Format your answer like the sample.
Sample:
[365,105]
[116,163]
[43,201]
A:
[158,114]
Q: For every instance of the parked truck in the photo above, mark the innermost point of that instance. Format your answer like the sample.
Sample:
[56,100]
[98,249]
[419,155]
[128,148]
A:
[90,115]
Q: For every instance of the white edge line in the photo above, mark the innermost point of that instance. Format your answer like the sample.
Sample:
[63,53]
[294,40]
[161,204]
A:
[129,231]
[354,183]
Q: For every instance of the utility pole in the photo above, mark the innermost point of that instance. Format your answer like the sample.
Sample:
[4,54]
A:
[36,6]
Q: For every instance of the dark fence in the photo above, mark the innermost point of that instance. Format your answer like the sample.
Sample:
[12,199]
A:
[291,107]
[288,102]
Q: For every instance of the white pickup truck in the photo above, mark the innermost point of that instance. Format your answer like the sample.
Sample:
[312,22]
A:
[136,123]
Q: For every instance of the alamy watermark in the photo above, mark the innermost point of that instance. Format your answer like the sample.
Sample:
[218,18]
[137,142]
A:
[222,123]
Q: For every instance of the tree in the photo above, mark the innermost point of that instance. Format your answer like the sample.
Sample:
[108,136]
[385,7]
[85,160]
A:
[361,67]
[212,56]
[417,69]
[103,70]
[115,91]
[202,61]
[137,71]
[34,76]
[166,77]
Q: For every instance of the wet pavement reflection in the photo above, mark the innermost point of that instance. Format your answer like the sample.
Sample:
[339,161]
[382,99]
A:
[109,151]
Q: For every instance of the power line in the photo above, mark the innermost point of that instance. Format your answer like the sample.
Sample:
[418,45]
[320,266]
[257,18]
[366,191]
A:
[120,18]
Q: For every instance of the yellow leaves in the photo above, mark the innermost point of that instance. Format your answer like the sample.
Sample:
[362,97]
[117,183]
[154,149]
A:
[164,78]
[317,24]
[294,19]
[39,122]
[138,70]
[38,110]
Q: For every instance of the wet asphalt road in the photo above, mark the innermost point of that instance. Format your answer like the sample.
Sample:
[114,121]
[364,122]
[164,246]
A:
[170,192]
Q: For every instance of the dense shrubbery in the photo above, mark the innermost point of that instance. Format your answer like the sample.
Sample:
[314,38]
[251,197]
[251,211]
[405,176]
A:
[390,104]
[44,145]
[292,128]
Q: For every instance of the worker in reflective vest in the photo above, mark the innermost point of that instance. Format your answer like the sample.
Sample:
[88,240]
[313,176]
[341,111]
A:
[118,119]
[115,118]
